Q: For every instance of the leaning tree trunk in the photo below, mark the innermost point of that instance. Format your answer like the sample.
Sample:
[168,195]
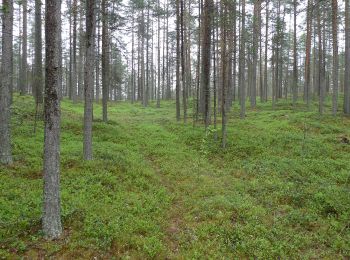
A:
[89,77]
[5,83]
[51,219]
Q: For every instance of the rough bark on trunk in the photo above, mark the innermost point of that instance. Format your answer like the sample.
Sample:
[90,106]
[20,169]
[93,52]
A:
[38,63]
[242,64]
[105,60]
[23,75]
[89,77]
[295,60]
[206,42]
[5,83]
[335,56]
[51,220]
[178,54]
[347,59]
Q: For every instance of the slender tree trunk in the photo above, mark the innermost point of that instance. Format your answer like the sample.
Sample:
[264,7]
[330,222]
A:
[158,91]
[266,52]
[256,33]
[69,4]
[132,58]
[242,64]
[89,77]
[183,67]
[81,56]
[198,58]
[105,60]
[23,75]
[214,75]
[295,59]
[38,67]
[51,220]
[224,61]
[5,83]
[206,42]
[97,94]
[307,87]
[335,56]
[320,60]
[178,60]
[74,52]
[347,59]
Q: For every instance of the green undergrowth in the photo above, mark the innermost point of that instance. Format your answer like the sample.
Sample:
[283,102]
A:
[161,189]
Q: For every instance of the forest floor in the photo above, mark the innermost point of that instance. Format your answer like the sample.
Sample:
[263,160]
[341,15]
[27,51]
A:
[162,189]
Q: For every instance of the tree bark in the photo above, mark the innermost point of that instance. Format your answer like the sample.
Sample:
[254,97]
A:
[256,33]
[51,219]
[89,77]
[74,52]
[38,62]
[347,59]
[307,87]
[23,75]
[178,61]
[295,59]
[5,83]
[105,60]
[242,64]
[335,56]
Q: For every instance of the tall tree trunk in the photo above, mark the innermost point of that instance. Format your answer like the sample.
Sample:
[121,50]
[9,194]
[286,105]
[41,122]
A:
[38,61]
[256,33]
[146,89]
[74,52]
[105,60]
[320,60]
[224,69]
[335,56]
[347,59]
[168,95]
[206,42]
[97,94]
[295,59]
[183,67]
[178,60]
[23,75]
[5,83]
[69,4]
[266,52]
[242,63]
[215,43]
[51,220]
[132,58]
[81,55]
[198,58]
[158,56]
[89,77]
[307,87]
